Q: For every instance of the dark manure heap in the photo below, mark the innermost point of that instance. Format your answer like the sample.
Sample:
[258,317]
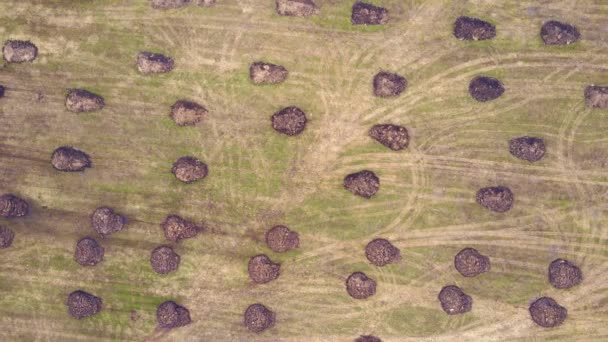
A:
[360,286]
[467,28]
[13,206]
[153,63]
[564,274]
[484,89]
[6,237]
[495,198]
[531,149]
[388,84]
[187,113]
[381,252]
[19,51]
[82,101]
[363,183]
[392,136]
[470,263]
[547,313]
[106,221]
[454,301]
[596,96]
[289,120]
[82,304]
[69,159]
[368,338]
[170,315]
[177,228]
[169,4]
[88,252]
[281,239]
[258,318]
[262,270]
[267,73]
[296,8]
[164,260]
[189,169]
[368,14]
[558,33]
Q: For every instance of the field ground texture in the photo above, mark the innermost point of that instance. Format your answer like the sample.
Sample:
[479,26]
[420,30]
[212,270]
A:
[258,178]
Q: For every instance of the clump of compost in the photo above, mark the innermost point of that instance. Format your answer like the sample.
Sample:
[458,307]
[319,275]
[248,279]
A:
[558,33]
[363,183]
[547,313]
[153,63]
[189,169]
[19,51]
[564,274]
[170,315]
[483,88]
[81,100]
[106,221]
[467,28]
[368,14]
[88,252]
[392,136]
[164,260]
[13,206]
[82,304]
[262,270]
[368,338]
[187,113]
[296,8]
[360,286]
[470,263]
[387,84]
[495,198]
[381,252]
[169,4]
[258,318]
[69,159]
[267,73]
[454,301]
[596,96]
[177,228]
[6,237]
[290,121]
[527,148]
[282,239]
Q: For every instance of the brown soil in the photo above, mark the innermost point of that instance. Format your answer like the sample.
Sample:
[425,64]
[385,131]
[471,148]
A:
[564,274]
[467,28]
[19,51]
[267,73]
[296,8]
[282,239]
[527,148]
[388,84]
[106,221]
[368,14]
[258,318]
[88,252]
[69,159]
[363,183]
[187,113]
[470,263]
[359,286]
[13,206]
[596,96]
[392,136]
[164,260]
[262,270]
[495,198]
[289,120]
[485,89]
[177,228]
[189,169]
[169,4]
[381,252]
[454,301]
[557,33]
[368,338]
[547,313]
[82,304]
[170,315]
[6,237]
[153,63]
[206,3]
[81,100]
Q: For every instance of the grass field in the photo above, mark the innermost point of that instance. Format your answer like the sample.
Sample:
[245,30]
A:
[258,178]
